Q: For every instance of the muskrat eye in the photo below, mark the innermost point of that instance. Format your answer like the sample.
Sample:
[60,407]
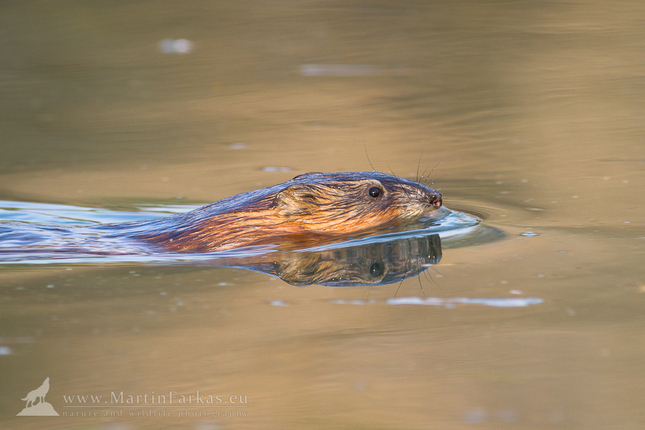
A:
[376,269]
[374,192]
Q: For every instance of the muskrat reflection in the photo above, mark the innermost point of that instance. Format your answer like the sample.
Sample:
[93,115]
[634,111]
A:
[367,264]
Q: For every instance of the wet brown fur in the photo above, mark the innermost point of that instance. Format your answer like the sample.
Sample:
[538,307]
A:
[309,205]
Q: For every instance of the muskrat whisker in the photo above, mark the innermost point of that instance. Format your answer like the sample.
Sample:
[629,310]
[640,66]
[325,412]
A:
[429,174]
[367,155]
[438,272]
[367,295]
[419,165]
[397,288]
[440,177]
[423,174]
[421,286]
[430,278]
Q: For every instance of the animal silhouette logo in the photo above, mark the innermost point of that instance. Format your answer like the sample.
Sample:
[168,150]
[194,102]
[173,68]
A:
[36,405]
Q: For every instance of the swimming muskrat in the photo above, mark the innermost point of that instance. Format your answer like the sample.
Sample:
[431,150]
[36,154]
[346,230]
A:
[309,205]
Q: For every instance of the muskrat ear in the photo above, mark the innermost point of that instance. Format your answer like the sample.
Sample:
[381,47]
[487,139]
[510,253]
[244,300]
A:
[295,200]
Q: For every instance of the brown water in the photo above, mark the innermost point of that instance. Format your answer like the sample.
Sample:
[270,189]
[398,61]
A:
[535,111]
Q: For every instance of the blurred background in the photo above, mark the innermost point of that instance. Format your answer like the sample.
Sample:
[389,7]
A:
[532,113]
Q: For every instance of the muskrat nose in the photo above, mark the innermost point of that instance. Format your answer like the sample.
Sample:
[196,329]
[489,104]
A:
[435,199]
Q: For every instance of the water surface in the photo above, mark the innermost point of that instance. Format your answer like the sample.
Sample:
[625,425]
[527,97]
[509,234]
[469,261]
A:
[532,110]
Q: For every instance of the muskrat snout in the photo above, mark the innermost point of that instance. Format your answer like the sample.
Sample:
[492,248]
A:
[435,199]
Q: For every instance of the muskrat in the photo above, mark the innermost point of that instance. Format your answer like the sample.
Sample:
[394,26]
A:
[309,205]
[376,263]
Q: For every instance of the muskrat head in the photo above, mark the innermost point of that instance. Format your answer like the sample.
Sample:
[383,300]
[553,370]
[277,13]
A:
[349,202]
